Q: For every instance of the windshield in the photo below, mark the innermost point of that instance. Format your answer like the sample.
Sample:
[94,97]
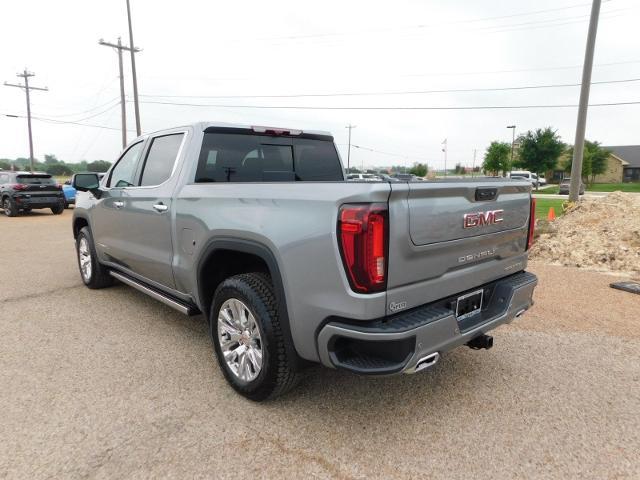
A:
[35,179]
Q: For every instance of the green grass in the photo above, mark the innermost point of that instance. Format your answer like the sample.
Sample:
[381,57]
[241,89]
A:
[552,190]
[612,187]
[544,204]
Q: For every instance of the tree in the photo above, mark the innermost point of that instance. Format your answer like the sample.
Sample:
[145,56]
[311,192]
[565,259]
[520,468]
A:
[98,166]
[539,151]
[50,159]
[496,158]
[419,169]
[58,169]
[5,164]
[594,160]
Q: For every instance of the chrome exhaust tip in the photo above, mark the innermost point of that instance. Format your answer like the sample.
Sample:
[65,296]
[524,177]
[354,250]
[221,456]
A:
[428,361]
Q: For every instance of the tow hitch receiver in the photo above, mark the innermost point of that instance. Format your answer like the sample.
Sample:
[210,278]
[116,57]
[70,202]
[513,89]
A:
[483,341]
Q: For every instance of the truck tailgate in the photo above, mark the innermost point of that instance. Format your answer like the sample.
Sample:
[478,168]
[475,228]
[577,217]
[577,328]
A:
[447,237]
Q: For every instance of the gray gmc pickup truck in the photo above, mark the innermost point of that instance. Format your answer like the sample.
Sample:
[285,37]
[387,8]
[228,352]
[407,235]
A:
[257,229]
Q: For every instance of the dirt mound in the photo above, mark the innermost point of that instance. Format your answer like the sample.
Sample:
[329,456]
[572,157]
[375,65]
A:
[600,234]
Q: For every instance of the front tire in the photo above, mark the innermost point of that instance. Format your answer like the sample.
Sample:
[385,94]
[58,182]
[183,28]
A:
[57,210]
[247,336]
[9,206]
[93,274]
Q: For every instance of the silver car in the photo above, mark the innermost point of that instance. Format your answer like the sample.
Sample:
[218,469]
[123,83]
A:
[565,186]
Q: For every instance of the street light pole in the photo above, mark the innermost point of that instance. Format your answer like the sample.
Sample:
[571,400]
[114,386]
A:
[26,74]
[350,127]
[513,141]
[578,146]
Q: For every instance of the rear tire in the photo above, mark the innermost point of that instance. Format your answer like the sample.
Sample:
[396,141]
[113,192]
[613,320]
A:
[94,275]
[57,210]
[245,325]
[9,206]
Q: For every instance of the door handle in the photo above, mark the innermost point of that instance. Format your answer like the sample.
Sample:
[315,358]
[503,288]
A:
[160,207]
[118,204]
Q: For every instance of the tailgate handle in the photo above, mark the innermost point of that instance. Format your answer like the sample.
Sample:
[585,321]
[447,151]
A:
[484,194]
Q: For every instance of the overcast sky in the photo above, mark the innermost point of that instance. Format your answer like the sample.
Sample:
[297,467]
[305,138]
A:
[215,48]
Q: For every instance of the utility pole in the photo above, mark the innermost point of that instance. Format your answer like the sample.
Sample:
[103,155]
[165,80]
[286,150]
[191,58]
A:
[578,147]
[26,74]
[350,127]
[513,141]
[123,109]
[133,51]
[445,156]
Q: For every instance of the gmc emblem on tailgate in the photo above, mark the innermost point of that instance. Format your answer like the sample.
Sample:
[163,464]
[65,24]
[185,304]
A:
[482,218]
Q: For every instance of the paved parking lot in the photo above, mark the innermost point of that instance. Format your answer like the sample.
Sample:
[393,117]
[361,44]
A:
[113,384]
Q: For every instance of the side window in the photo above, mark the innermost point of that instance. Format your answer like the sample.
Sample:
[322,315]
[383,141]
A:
[124,171]
[160,159]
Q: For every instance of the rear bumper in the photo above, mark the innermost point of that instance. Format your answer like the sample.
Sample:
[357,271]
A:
[35,202]
[396,344]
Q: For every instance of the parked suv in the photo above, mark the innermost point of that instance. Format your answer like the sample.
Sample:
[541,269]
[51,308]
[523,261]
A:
[257,229]
[24,191]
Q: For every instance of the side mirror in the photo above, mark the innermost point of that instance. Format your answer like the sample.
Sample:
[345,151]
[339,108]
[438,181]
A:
[86,182]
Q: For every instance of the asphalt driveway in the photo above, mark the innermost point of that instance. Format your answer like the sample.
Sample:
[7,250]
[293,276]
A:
[111,384]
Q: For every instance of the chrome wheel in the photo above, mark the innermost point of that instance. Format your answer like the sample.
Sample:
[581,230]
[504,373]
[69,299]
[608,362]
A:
[84,256]
[240,341]
[7,207]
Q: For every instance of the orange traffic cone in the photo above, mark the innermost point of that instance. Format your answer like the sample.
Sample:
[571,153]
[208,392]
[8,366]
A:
[552,215]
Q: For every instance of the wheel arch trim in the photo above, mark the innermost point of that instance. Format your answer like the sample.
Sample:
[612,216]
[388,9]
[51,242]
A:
[263,252]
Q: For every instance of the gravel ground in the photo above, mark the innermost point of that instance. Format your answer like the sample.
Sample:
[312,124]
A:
[113,384]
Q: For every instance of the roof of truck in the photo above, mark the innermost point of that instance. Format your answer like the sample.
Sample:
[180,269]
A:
[205,125]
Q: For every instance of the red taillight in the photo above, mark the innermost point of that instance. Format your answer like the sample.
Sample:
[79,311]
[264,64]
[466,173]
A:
[362,231]
[532,223]
[20,186]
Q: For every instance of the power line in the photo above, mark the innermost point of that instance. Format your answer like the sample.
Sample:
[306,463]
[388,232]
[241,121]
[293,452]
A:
[424,26]
[83,111]
[405,92]
[405,156]
[66,122]
[520,70]
[108,109]
[471,107]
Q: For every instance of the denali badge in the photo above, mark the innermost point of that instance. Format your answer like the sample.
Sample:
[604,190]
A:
[477,255]
[482,218]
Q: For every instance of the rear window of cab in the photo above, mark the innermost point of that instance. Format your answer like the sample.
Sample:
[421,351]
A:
[238,157]
[35,179]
